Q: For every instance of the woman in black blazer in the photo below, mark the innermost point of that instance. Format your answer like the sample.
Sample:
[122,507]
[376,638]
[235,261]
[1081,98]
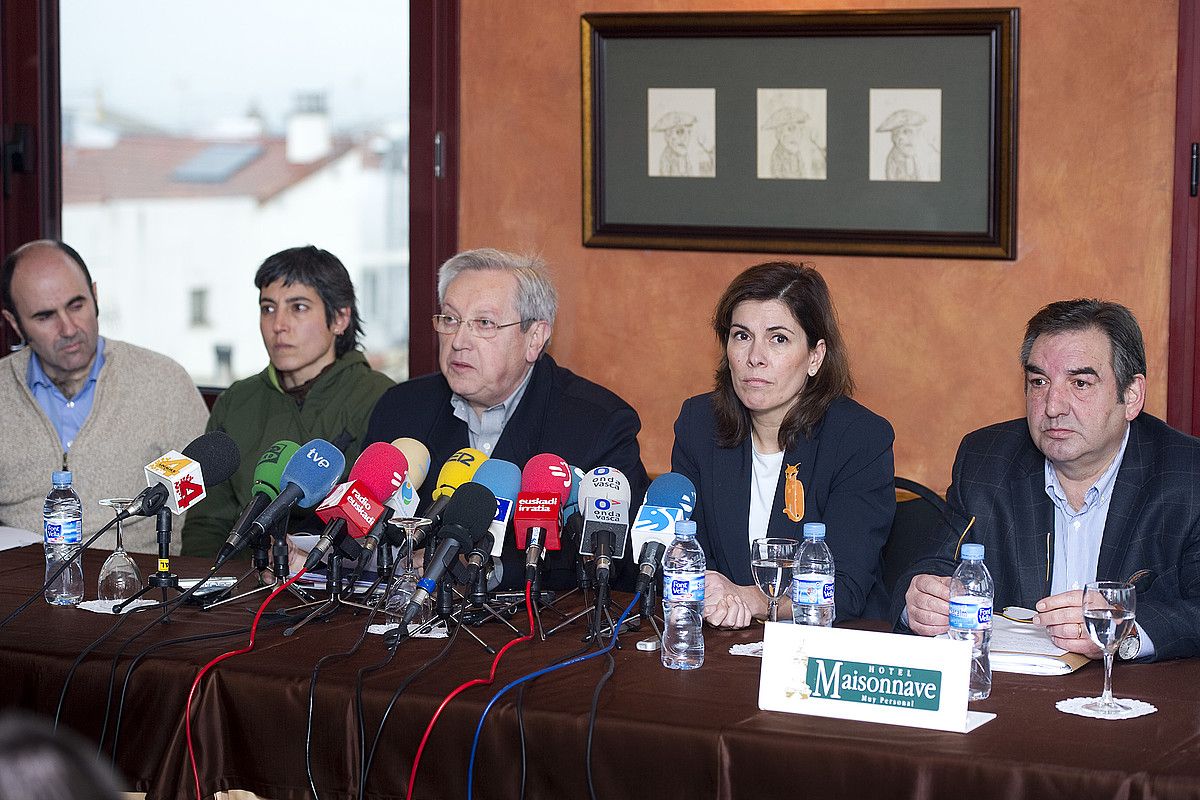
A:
[781,416]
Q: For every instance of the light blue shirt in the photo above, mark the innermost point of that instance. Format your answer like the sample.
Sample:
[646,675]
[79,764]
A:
[1078,533]
[67,415]
[484,429]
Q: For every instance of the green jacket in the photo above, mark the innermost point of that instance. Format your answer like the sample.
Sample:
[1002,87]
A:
[256,412]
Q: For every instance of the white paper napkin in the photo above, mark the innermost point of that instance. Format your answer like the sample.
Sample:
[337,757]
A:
[1075,706]
[438,631]
[106,606]
[753,649]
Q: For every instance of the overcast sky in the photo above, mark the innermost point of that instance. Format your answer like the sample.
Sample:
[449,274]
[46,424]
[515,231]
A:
[184,66]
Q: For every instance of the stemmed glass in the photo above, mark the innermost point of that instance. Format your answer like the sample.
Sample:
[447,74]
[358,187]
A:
[405,584]
[1108,612]
[119,576]
[771,562]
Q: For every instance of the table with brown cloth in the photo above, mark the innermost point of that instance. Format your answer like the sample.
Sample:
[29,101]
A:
[659,733]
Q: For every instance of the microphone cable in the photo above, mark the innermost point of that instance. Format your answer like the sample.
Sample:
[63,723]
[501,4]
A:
[370,756]
[78,554]
[475,682]
[612,666]
[187,711]
[312,694]
[553,668]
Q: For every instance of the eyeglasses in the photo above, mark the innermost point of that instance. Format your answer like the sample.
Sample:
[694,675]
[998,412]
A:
[483,328]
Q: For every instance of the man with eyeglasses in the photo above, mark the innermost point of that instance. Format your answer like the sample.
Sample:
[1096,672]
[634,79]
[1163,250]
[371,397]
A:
[499,392]
[1087,487]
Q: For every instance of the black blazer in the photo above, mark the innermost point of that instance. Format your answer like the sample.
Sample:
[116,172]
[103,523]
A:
[559,413]
[1153,523]
[848,476]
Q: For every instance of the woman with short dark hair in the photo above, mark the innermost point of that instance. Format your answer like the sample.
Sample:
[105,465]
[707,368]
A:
[779,442]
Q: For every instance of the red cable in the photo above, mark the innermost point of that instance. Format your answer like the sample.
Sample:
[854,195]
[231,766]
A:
[412,778]
[187,714]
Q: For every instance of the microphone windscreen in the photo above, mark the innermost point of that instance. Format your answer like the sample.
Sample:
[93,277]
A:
[381,469]
[458,469]
[572,504]
[418,460]
[315,468]
[218,456]
[547,472]
[470,508]
[502,477]
[269,470]
[672,490]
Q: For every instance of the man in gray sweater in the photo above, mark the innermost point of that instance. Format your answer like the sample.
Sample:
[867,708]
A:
[72,400]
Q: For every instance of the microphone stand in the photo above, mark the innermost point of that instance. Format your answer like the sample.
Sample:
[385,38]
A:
[444,612]
[162,579]
[268,547]
[333,583]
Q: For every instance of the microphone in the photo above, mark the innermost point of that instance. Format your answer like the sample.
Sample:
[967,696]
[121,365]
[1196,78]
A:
[671,498]
[458,469]
[355,502]
[382,459]
[545,487]
[177,479]
[309,475]
[267,474]
[604,498]
[503,479]
[464,522]
[405,500]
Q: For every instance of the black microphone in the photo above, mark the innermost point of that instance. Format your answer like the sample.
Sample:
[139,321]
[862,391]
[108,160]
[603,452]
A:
[648,562]
[464,523]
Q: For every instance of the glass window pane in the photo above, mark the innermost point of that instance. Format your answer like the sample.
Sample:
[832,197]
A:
[200,138]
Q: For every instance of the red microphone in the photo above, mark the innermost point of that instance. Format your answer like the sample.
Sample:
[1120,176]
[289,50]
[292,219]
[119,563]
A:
[354,507]
[545,487]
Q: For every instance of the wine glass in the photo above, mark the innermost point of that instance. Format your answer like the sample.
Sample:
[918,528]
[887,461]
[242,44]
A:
[1108,613]
[405,584]
[771,562]
[119,576]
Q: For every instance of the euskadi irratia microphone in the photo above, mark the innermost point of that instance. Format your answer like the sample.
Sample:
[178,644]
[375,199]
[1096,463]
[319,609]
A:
[382,458]
[177,480]
[604,499]
[458,469]
[503,478]
[268,472]
[545,487]
[670,498]
[309,475]
[356,503]
[465,521]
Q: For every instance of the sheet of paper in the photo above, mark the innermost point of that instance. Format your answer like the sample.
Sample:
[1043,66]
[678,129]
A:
[1022,637]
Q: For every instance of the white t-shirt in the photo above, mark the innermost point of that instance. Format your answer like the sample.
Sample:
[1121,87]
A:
[762,493]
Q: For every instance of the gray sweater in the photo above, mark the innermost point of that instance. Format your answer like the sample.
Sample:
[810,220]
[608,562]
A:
[145,405]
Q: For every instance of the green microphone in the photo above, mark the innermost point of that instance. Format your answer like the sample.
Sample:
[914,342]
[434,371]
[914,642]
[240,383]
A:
[267,474]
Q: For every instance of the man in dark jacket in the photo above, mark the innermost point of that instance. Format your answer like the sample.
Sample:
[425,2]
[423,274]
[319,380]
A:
[499,393]
[317,384]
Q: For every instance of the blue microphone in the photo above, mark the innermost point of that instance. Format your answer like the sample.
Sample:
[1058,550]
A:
[670,499]
[503,478]
[310,474]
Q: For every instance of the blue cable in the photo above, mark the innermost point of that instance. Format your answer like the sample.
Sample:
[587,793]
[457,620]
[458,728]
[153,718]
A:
[478,730]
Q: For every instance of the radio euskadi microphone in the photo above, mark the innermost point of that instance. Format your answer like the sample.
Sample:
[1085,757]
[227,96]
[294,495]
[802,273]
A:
[355,503]
[384,458]
[670,499]
[464,522]
[309,475]
[604,500]
[545,487]
[458,469]
[177,480]
[268,472]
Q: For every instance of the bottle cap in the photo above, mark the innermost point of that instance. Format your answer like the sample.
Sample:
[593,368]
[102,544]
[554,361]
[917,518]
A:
[814,530]
[685,527]
[972,552]
[61,478]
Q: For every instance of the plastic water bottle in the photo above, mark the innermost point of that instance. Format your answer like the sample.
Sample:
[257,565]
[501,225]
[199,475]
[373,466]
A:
[971,616]
[62,533]
[812,581]
[683,600]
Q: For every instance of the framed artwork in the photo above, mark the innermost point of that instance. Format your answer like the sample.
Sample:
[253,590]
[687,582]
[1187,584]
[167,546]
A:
[880,133]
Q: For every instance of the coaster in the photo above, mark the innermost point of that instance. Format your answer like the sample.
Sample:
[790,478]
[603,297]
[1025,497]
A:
[106,606]
[1075,706]
[438,631]
[753,649]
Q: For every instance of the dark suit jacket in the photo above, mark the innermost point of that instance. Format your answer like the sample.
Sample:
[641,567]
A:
[560,413]
[848,476]
[1153,523]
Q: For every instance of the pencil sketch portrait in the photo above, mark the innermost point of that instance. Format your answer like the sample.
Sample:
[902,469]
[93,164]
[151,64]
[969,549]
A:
[681,140]
[906,134]
[791,134]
